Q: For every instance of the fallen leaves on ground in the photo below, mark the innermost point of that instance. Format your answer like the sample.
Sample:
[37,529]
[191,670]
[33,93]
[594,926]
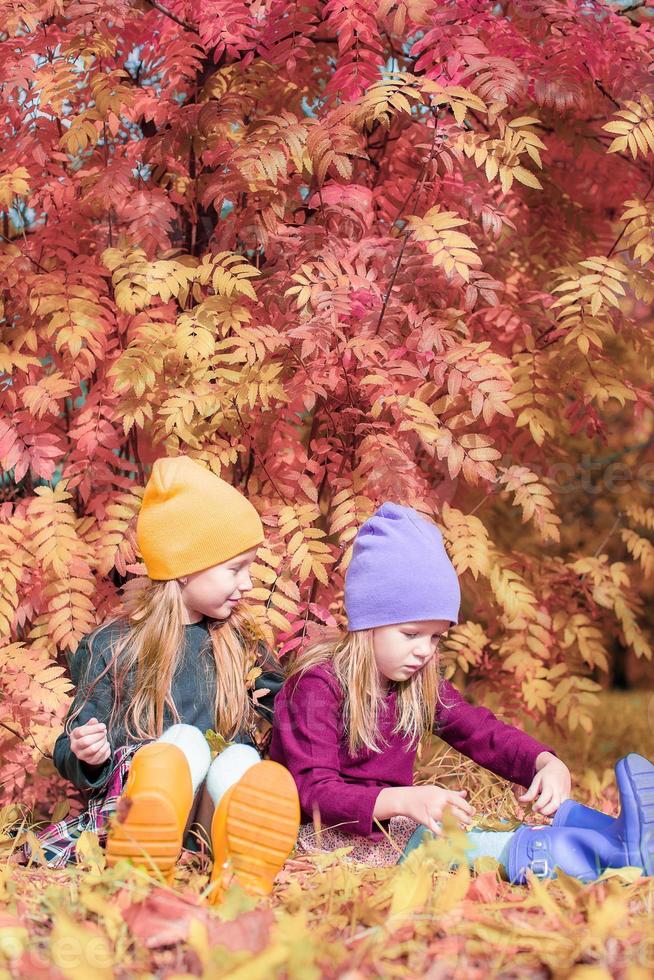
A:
[329,917]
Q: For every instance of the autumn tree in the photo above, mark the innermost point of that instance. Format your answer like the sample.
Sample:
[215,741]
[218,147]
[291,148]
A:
[340,252]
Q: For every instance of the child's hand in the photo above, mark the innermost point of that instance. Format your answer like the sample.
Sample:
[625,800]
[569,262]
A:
[425,804]
[553,783]
[89,742]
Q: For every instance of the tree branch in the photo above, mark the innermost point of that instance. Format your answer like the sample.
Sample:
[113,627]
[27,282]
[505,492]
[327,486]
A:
[167,13]
[628,10]
[36,263]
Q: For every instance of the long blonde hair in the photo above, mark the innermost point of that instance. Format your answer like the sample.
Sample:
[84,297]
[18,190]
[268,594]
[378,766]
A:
[352,657]
[152,646]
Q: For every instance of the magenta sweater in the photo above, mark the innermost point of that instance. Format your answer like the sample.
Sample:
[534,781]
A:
[308,739]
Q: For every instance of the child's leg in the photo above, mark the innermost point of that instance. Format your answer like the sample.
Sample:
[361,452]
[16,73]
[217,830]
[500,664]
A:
[198,756]
[420,834]
[489,843]
[195,747]
[493,843]
[228,767]
[582,852]
[202,815]
[225,770]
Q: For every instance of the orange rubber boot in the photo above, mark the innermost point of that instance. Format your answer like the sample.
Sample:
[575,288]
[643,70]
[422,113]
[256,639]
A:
[153,810]
[254,829]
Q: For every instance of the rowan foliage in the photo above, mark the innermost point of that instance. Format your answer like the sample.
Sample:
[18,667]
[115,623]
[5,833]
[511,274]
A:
[340,253]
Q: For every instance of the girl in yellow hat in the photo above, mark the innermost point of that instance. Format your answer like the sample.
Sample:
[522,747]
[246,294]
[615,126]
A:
[150,684]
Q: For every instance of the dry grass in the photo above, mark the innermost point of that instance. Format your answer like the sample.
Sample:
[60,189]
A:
[331,918]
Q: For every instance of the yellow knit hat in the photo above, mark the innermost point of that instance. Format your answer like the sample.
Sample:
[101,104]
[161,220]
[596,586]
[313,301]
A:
[190,519]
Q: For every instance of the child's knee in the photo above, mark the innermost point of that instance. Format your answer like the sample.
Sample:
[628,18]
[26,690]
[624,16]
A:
[228,767]
[174,731]
[186,733]
[194,745]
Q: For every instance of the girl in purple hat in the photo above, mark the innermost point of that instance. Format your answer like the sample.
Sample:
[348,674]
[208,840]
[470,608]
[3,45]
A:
[353,710]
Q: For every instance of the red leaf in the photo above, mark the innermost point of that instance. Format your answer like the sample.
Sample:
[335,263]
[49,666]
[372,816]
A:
[163,919]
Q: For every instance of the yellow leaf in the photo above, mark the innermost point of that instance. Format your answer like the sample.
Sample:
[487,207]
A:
[89,852]
[411,887]
[278,619]
[618,126]
[451,890]
[12,184]
[263,573]
[198,940]
[295,542]
[526,177]
[541,891]
[79,952]
[491,168]
[628,874]
[523,121]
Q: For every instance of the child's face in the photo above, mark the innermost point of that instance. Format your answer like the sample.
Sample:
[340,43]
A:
[404,648]
[216,591]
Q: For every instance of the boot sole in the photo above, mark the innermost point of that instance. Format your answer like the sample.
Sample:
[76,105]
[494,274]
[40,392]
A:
[263,817]
[149,835]
[635,777]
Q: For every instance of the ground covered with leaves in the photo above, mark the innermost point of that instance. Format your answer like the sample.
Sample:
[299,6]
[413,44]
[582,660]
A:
[331,918]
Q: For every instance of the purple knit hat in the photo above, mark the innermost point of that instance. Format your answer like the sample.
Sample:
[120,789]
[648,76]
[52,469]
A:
[399,572]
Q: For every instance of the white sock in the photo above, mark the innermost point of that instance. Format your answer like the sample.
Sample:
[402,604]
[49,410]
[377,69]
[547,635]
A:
[195,747]
[228,767]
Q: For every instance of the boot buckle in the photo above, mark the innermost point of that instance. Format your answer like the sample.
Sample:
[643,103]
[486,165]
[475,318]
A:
[540,867]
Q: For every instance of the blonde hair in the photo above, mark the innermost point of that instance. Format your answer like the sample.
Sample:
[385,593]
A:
[152,646]
[352,657]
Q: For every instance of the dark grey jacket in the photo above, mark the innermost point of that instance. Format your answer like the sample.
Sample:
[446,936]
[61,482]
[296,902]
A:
[193,690]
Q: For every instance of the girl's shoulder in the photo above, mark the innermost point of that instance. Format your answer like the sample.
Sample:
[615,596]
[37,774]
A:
[320,675]
[95,650]
[111,629]
[102,640]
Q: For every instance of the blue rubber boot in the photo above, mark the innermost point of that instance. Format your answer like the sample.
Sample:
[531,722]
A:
[573,814]
[585,853]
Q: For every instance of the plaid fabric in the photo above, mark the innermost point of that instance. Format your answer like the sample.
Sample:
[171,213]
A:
[59,840]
